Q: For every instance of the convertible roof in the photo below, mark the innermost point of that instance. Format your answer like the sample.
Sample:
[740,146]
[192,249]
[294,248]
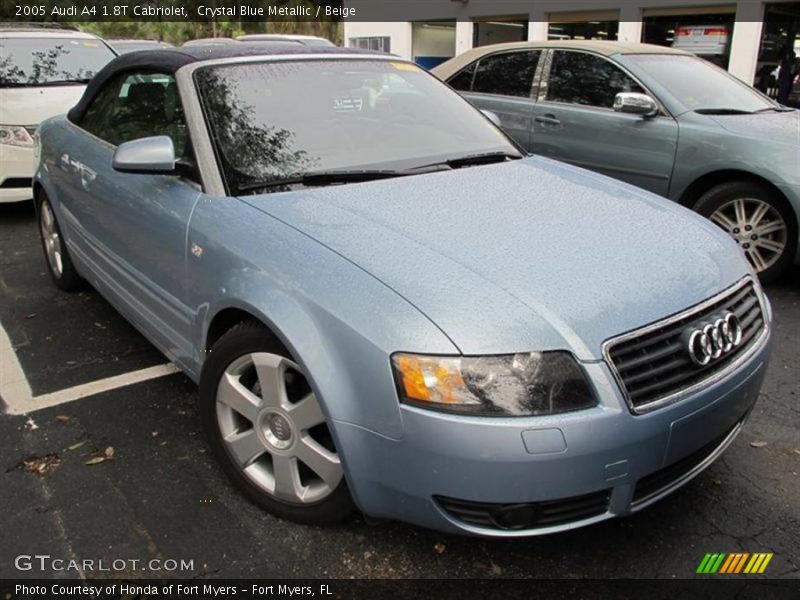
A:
[169,60]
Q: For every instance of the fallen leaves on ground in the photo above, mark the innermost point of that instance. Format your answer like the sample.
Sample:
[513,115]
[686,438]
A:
[108,454]
[63,418]
[758,443]
[76,446]
[439,548]
[41,465]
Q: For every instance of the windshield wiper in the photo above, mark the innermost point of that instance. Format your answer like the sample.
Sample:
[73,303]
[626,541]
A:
[722,111]
[323,178]
[775,108]
[484,158]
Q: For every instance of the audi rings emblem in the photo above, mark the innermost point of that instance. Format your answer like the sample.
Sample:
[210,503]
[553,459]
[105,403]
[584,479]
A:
[710,341]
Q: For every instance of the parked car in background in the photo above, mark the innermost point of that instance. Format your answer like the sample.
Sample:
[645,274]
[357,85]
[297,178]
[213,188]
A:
[656,117]
[306,40]
[702,40]
[133,45]
[43,72]
[387,304]
[217,41]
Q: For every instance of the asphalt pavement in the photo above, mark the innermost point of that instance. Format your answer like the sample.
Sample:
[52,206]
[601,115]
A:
[150,490]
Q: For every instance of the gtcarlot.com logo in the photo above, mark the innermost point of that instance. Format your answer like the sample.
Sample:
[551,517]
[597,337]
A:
[734,562]
[45,562]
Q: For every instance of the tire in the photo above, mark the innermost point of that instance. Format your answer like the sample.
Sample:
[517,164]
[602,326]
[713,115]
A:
[56,254]
[761,222]
[267,429]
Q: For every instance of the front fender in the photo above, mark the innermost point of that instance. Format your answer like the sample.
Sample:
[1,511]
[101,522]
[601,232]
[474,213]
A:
[340,323]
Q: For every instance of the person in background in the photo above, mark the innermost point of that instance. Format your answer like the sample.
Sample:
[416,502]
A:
[786,73]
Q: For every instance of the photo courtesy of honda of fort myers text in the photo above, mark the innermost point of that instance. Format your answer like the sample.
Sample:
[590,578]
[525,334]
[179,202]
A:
[351,298]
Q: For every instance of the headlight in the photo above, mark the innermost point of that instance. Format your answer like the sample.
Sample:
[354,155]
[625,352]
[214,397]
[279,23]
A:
[535,383]
[15,135]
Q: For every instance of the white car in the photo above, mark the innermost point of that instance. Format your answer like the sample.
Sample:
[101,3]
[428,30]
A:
[43,73]
[702,40]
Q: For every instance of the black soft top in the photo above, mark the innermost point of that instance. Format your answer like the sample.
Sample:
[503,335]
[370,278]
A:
[169,60]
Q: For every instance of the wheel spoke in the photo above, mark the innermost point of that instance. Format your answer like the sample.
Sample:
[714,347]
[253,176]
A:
[287,478]
[758,262]
[271,370]
[771,245]
[47,216]
[758,214]
[741,212]
[723,221]
[319,459]
[306,413]
[770,227]
[246,447]
[233,394]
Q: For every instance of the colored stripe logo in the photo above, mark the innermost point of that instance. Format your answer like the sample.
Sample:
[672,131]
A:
[734,562]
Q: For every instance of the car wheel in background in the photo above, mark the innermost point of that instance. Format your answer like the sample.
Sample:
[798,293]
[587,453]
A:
[267,428]
[59,263]
[760,221]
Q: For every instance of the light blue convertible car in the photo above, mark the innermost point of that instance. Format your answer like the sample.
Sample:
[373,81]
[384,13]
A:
[389,306]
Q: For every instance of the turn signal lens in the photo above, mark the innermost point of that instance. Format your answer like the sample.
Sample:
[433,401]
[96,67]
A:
[536,383]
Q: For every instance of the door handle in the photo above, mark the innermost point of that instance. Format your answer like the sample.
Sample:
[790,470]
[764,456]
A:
[548,120]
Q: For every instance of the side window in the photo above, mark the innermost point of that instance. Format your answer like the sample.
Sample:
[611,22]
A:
[507,74]
[463,80]
[138,105]
[95,120]
[581,78]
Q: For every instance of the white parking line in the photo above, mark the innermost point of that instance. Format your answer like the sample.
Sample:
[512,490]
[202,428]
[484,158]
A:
[18,396]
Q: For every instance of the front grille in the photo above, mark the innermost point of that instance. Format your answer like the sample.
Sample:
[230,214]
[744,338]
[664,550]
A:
[665,478]
[527,515]
[17,182]
[654,364]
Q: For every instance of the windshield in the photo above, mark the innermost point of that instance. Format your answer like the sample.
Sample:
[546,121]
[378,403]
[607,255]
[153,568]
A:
[696,84]
[279,120]
[43,61]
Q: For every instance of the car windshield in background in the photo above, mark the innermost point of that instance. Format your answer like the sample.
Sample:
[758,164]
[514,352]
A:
[282,121]
[699,86]
[50,61]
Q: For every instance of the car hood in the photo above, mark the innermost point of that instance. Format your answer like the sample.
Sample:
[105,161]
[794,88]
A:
[32,105]
[783,127]
[525,255]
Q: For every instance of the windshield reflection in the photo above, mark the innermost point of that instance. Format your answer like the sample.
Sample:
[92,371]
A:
[279,120]
[31,62]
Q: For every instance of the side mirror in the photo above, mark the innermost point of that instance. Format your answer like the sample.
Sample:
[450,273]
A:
[636,104]
[146,155]
[492,117]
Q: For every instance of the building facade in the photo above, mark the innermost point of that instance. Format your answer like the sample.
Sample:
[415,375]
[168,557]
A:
[751,38]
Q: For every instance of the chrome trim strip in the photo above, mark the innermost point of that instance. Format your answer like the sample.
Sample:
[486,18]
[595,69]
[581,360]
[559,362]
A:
[713,378]
[694,472]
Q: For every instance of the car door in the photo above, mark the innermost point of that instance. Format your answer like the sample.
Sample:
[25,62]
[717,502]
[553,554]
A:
[574,121]
[502,83]
[134,225]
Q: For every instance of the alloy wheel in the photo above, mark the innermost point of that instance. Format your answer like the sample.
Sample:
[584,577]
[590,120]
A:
[51,238]
[273,428]
[757,227]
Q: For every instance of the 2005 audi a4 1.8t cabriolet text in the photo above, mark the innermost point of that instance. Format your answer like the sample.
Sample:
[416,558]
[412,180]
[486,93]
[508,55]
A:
[386,304]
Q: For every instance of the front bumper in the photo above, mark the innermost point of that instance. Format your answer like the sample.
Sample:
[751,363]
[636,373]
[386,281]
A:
[16,165]
[465,475]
